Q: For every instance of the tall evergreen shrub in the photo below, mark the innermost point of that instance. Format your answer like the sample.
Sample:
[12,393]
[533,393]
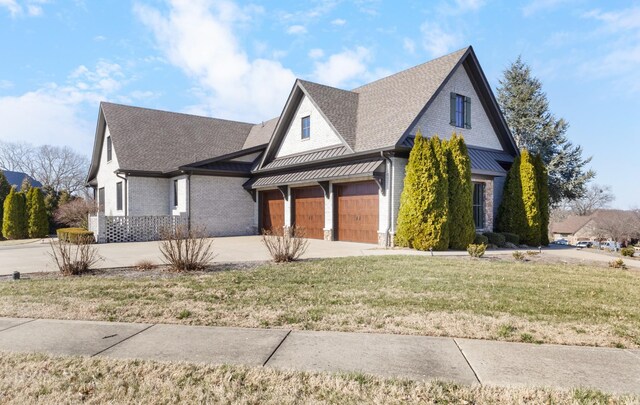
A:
[14,224]
[531,232]
[5,189]
[38,219]
[461,226]
[511,214]
[542,178]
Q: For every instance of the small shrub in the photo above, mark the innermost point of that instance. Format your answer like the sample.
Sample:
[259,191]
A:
[75,235]
[627,251]
[617,264]
[506,330]
[476,250]
[532,253]
[519,256]
[480,240]
[145,265]
[511,237]
[184,314]
[74,258]
[526,338]
[285,246]
[495,238]
[75,212]
[186,249]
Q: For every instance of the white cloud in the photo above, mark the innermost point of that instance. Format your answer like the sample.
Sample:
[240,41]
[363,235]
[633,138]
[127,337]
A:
[339,22]
[409,45]
[316,53]
[437,41]
[53,113]
[32,8]
[469,5]
[343,68]
[6,84]
[199,38]
[296,30]
[537,6]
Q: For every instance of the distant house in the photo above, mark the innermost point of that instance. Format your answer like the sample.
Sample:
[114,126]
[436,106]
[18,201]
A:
[601,225]
[16,179]
[333,162]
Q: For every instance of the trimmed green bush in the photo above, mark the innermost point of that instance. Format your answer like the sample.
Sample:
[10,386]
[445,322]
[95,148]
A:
[542,179]
[14,223]
[511,216]
[461,227]
[494,238]
[38,219]
[424,203]
[627,251]
[511,237]
[480,240]
[530,235]
[5,189]
[476,250]
[75,235]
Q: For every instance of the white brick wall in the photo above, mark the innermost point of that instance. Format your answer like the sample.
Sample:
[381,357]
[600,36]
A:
[321,133]
[148,196]
[399,167]
[106,178]
[222,205]
[435,121]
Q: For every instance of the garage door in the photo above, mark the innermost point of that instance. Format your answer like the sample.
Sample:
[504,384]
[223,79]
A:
[308,208]
[357,212]
[272,215]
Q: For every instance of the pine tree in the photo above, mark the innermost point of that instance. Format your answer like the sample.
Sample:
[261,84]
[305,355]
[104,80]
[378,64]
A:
[461,226]
[5,189]
[438,212]
[531,233]
[511,214]
[25,186]
[38,220]
[536,129]
[411,199]
[14,220]
[543,199]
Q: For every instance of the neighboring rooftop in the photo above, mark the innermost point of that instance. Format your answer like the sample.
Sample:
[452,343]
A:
[573,223]
[16,178]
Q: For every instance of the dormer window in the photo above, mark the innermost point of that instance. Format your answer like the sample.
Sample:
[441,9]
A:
[306,127]
[109,149]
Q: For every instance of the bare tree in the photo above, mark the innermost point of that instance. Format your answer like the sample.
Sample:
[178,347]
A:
[617,225]
[59,168]
[595,197]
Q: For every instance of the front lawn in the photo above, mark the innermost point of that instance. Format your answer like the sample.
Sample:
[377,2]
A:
[489,299]
[36,378]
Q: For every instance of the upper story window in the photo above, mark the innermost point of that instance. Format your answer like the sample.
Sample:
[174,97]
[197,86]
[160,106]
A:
[306,127]
[478,205]
[109,149]
[119,196]
[460,113]
[175,193]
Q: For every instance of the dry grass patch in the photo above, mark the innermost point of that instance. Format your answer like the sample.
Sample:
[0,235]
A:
[35,378]
[503,300]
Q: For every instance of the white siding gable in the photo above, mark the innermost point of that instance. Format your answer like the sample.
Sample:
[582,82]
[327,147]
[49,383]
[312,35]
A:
[436,120]
[322,134]
[108,179]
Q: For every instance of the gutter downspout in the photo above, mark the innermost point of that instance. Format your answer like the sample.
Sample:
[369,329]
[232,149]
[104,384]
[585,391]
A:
[126,194]
[390,197]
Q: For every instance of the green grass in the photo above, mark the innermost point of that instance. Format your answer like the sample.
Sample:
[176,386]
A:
[37,378]
[533,302]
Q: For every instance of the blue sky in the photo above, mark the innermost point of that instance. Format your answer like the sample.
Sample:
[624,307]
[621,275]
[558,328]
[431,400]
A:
[238,60]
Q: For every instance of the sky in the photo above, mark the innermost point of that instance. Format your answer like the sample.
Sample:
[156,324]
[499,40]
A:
[239,60]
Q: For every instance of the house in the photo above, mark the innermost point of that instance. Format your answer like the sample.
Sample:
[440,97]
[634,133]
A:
[601,225]
[333,162]
[16,179]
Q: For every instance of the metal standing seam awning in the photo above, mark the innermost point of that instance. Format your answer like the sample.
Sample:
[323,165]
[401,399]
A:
[365,168]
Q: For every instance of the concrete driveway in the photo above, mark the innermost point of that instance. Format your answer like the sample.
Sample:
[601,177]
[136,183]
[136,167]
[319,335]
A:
[34,256]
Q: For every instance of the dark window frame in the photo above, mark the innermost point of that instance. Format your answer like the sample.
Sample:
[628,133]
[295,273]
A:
[119,196]
[305,131]
[175,193]
[479,205]
[460,114]
[109,149]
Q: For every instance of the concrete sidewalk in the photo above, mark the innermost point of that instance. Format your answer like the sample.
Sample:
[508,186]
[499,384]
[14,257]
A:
[463,361]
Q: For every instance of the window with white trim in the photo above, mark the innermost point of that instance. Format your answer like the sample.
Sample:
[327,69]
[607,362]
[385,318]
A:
[306,127]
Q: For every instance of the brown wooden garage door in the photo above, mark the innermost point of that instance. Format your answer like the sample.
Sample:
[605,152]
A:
[356,214]
[308,208]
[272,211]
